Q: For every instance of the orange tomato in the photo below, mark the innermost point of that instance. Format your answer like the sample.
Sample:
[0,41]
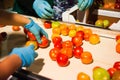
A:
[72,27]
[94,39]
[65,32]
[86,36]
[63,26]
[87,31]
[83,76]
[15,28]
[53,53]
[56,30]
[118,48]
[86,57]
[67,51]
[67,44]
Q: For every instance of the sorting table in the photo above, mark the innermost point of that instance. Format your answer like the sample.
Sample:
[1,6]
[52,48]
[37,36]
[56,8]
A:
[104,54]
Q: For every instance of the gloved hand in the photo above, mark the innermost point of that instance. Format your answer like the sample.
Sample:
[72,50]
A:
[26,54]
[36,30]
[84,4]
[43,9]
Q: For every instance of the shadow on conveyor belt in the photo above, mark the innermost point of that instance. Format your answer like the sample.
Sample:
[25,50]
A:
[36,66]
[12,41]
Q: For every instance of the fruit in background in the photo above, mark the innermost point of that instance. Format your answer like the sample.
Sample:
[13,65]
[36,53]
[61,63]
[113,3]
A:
[28,43]
[45,42]
[56,30]
[106,23]
[94,39]
[56,40]
[72,33]
[117,5]
[47,24]
[116,65]
[16,28]
[77,41]
[77,51]
[53,53]
[99,23]
[86,57]
[100,74]
[118,48]
[83,76]
[55,24]
[118,1]
[116,75]
[62,60]
[111,71]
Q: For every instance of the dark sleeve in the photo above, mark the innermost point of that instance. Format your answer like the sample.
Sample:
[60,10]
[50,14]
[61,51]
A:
[27,7]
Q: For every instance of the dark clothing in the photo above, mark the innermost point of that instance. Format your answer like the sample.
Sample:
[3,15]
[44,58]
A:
[59,6]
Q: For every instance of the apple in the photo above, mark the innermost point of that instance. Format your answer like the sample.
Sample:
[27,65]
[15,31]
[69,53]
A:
[55,24]
[47,24]
[106,23]
[99,23]
[100,74]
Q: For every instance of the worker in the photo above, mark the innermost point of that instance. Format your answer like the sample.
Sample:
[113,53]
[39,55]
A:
[48,9]
[20,56]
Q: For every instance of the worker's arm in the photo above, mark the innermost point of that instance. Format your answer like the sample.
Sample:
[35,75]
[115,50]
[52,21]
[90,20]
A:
[9,65]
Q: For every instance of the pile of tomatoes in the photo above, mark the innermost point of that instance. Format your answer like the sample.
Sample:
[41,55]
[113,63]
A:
[63,50]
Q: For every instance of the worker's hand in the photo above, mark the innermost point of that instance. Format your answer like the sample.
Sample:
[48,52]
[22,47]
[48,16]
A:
[36,30]
[43,9]
[84,4]
[26,54]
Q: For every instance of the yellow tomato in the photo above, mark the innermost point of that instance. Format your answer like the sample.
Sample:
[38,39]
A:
[72,33]
[94,39]
[28,43]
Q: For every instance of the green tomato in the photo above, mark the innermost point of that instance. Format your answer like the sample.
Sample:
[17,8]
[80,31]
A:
[106,23]
[55,24]
[100,74]
[99,23]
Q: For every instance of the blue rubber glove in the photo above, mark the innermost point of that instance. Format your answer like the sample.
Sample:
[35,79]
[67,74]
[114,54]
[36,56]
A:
[43,9]
[36,30]
[26,54]
[84,4]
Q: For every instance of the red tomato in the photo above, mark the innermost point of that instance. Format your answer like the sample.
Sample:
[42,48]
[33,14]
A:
[16,28]
[117,37]
[67,51]
[111,71]
[117,65]
[25,31]
[53,53]
[58,45]
[56,40]
[80,34]
[31,36]
[47,24]
[77,51]
[67,44]
[77,41]
[45,42]
[62,60]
